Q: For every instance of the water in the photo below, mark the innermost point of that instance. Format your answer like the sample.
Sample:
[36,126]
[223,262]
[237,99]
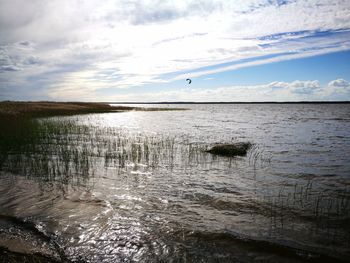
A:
[139,187]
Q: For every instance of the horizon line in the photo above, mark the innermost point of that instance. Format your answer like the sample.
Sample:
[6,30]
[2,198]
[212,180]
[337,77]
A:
[187,102]
[233,102]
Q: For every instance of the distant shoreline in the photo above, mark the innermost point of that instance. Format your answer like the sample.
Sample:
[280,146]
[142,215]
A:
[54,108]
[51,108]
[238,102]
[106,103]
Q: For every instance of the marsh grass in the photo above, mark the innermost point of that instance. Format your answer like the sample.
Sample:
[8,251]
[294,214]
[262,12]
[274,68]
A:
[46,109]
[327,212]
[55,149]
[60,150]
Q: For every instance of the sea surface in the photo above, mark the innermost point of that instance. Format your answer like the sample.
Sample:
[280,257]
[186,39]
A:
[138,186]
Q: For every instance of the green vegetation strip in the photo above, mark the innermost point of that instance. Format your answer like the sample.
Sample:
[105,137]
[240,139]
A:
[47,109]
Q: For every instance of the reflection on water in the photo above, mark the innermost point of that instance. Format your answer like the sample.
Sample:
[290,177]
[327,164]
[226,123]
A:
[137,186]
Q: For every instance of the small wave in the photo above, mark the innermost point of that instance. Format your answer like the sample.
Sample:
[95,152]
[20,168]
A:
[140,173]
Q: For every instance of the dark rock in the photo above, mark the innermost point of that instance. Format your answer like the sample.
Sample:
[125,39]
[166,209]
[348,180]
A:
[236,149]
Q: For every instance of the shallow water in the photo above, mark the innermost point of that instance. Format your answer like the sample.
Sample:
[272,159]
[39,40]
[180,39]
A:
[138,186]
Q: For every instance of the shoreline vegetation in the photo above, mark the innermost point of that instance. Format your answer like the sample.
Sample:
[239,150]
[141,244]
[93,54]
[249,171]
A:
[48,109]
[20,125]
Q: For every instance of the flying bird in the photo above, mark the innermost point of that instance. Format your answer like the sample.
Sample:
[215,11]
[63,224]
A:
[189,81]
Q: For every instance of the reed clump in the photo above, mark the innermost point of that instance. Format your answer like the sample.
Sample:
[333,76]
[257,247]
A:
[58,149]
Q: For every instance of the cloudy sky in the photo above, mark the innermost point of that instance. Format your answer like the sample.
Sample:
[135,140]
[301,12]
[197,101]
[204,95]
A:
[128,50]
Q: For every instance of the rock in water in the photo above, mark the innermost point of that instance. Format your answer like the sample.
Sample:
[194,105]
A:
[235,149]
[21,241]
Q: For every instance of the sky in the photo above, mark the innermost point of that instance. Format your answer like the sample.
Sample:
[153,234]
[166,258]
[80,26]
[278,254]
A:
[134,51]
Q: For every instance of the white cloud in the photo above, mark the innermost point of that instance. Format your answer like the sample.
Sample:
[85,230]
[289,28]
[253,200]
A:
[309,90]
[90,45]
[338,89]
[339,83]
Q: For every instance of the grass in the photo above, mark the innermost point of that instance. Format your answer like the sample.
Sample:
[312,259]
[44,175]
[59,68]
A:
[46,109]
[23,136]
[60,150]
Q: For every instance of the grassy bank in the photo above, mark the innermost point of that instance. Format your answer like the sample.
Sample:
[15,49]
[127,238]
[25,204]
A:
[31,145]
[18,119]
[46,109]
[21,130]
[43,109]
